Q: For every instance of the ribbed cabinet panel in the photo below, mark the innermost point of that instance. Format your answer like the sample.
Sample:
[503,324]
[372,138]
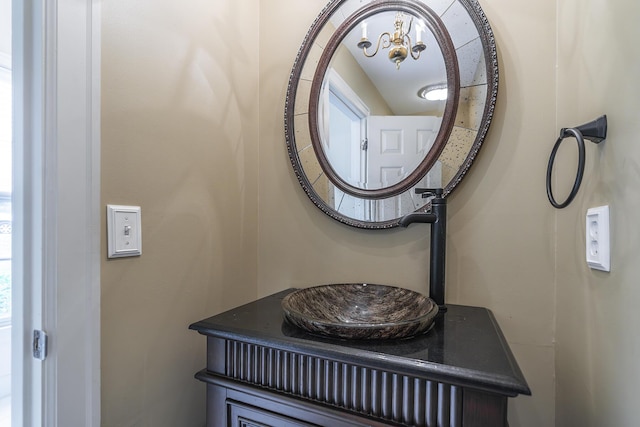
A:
[398,398]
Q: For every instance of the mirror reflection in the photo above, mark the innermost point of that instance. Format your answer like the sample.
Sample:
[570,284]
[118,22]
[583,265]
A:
[375,123]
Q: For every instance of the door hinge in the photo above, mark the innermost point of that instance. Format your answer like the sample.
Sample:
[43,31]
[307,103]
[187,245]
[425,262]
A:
[365,144]
[39,344]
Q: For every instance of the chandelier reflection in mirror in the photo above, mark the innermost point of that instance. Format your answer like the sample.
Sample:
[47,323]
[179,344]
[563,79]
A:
[399,44]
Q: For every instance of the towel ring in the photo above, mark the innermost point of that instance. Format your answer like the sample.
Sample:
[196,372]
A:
[595,131]
[576,184]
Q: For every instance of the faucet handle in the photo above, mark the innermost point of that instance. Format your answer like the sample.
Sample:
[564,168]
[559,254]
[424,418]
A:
[429,192]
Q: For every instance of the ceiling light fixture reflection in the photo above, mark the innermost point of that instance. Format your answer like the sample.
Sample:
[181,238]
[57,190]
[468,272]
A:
[399,44]
[433,92]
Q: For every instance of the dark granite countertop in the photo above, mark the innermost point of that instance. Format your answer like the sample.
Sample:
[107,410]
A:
[465,347]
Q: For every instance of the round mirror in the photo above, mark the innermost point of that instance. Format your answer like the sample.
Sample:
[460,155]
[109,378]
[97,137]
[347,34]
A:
[386,97]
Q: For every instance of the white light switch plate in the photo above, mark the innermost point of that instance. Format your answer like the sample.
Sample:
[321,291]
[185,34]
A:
[124,232]
[598,247]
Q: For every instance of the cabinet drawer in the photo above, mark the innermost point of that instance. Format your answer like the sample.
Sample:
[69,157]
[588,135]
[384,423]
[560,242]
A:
[241,415]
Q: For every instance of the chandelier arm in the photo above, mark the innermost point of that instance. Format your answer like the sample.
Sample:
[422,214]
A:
[364,49]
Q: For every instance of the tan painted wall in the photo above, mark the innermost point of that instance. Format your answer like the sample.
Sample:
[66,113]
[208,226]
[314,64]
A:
[181,134]
[348,68]
[500,245]
[598,344]
[180,139]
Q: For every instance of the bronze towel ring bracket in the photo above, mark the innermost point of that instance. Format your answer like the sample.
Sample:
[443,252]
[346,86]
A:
[595,131]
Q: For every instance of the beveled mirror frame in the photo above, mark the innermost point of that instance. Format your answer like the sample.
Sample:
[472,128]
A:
[301,108]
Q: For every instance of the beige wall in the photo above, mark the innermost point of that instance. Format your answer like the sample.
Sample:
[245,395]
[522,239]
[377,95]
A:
[348,68]
[193,128]
[598,344]
[180,139]
[500,246]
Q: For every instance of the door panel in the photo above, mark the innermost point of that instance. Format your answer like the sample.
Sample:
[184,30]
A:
[397,145]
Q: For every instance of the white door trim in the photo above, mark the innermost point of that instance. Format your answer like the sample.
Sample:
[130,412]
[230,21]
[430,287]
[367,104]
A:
[56,63]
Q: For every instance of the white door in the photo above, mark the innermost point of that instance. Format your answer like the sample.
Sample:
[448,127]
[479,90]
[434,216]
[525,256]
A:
[5,232]
[397,145]
[342,147]
[56,212]
[343,126]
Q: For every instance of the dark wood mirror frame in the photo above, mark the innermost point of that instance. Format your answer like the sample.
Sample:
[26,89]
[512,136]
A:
[301,111]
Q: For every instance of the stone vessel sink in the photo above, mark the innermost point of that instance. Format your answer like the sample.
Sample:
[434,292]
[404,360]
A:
[360,311]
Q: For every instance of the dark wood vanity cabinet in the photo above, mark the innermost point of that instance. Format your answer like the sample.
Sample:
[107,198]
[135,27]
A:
[261,371]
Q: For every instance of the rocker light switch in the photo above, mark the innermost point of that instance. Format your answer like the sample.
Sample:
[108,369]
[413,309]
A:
[597,238]
[124,231]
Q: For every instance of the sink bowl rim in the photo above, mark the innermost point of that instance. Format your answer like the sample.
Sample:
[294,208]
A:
[294,315]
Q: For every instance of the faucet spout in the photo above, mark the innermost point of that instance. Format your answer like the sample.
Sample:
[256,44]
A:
[420,217]
[437,217]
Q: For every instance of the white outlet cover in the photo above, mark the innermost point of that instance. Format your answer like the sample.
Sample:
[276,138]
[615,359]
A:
[124,231]
[598,245]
